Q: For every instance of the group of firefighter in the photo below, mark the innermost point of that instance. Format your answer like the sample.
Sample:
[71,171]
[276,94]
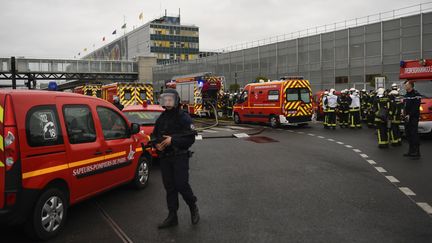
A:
[380,109]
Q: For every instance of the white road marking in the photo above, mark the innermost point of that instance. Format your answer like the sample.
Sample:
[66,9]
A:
[392,179]
[321,137]
[198,137]
[340,143]
[380,169]
[372,162]
[238,128]
[331,140]
[311,134]
[426,207]
[210,131]
[407,191]
[357,150]
[364,156]
[348,146]
[222,129]
[240,135]
[300,132]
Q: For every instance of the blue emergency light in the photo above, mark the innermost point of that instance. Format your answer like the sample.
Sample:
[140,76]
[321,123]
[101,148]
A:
[52,86]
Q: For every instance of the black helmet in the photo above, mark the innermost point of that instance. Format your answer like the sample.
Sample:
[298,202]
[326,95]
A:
[169,97]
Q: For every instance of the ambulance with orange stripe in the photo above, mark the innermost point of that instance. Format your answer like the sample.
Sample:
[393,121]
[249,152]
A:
[57,149]
[287,101]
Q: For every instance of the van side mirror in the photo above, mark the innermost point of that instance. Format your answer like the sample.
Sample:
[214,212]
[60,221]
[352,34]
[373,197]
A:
[135,128]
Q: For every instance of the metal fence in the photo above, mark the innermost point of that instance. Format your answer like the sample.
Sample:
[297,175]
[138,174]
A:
[352,52]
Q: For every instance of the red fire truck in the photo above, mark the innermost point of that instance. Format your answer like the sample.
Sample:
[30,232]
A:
[89,90]
[420,72]
[288,101]
[198,91]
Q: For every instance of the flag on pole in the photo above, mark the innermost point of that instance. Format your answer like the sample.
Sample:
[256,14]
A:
[103,39]
[124,26]
[114,32]
[141,16]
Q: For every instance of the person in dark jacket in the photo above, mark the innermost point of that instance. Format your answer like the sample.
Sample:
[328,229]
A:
[175,134]
[412,101]
[116,102]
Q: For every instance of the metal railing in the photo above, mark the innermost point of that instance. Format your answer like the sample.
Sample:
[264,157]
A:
[350,23]
[35,65]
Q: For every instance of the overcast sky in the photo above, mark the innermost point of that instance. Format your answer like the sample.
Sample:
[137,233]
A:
[62,28]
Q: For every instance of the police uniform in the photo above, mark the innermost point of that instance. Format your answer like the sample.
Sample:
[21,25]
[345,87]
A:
[412,101]
[381,109]
[395,113]
[174,162]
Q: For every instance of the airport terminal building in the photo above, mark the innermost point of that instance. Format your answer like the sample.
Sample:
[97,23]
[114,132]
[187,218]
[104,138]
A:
[341,55]
[165,38]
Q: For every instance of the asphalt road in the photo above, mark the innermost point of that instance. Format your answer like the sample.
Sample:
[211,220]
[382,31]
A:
[298,186]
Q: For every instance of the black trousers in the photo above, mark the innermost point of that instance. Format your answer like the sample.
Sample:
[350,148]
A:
[382,132]
[344,118]
[411,129]
[331,117]
[395,134]
[354,117]
[175,177]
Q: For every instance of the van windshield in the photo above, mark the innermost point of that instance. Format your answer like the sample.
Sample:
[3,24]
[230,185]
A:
[298,94]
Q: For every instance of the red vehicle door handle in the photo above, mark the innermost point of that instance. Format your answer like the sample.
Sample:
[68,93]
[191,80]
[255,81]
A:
[108,151]
[98,153]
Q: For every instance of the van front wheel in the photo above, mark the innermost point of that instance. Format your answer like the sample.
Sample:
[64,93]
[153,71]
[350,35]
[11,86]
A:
[49,215]
[142,174]
[274,121]
[237,118]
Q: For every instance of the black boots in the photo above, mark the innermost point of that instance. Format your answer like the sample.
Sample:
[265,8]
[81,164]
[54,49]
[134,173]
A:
[195,217]
[170,221]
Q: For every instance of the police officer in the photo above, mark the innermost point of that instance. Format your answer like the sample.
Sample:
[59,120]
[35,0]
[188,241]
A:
[175,132]
[381,110]
[412,101]
[344,102]
[354,112]
[324,107]
[116,102]
[395,113]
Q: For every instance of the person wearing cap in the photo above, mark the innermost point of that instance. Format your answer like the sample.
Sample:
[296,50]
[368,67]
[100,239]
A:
[354,112]
[381,111]
[412,101]
[174,133]
[344,102]
[331,104]
[116,102]
[395,117]
[324,107]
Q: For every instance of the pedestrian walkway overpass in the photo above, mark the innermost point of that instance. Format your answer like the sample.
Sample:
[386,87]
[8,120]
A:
[73,70]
